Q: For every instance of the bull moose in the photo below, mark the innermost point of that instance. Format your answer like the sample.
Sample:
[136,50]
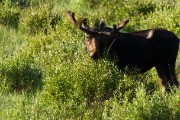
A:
[142,49]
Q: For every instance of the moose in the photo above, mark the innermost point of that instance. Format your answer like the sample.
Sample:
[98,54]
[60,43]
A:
[139,50]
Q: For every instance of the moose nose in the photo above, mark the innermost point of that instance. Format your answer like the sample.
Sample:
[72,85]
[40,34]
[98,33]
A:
[91,54]
[94,56]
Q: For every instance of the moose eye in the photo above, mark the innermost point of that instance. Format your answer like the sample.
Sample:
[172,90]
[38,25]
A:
[88,39]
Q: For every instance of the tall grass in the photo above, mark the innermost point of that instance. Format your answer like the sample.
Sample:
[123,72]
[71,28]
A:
[10,41]
[46,73]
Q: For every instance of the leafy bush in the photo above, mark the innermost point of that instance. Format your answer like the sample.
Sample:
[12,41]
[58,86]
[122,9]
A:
[22,3]
[38,19]
[9,17]
[19,74]
[143,107]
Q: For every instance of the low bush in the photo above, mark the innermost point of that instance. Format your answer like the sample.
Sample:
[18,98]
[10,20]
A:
[38,19]
[144,107]
[20,74]
[9,17]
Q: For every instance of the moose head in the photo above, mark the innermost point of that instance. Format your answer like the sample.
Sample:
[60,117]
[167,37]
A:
[96,39]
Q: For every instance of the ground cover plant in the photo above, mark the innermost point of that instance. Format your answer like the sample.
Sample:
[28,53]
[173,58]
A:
[46,73]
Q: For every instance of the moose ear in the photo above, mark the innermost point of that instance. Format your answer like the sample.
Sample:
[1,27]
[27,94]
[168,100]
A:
[101,24]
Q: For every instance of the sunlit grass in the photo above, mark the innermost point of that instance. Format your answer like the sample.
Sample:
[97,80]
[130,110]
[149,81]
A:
[10,41]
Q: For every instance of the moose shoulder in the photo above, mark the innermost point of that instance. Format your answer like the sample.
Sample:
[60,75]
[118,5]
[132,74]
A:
[142,50]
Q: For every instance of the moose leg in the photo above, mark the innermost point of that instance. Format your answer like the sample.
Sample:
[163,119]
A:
[173,76]
[162,71]
[167,75]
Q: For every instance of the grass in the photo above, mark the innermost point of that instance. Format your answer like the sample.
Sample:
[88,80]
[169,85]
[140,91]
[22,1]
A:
[46,73]
[10,41]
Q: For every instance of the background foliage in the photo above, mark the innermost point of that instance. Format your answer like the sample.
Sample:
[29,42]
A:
[45,72]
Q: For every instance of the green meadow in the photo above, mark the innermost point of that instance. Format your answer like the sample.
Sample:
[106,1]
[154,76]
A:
[46,72]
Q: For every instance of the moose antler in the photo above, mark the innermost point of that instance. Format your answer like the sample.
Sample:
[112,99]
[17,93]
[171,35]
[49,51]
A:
[120,25]
[78,23]
[71,16]
[82,25]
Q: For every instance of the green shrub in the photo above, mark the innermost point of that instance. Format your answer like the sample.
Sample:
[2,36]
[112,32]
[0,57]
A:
[25,3]
[19,74]
[143,107]
[9,16]
[22,3]
[38,19]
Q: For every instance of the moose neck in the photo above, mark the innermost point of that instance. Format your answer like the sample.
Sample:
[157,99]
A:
[107,44]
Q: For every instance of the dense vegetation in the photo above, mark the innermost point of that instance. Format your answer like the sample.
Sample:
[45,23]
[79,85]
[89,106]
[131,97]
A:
[46,73]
